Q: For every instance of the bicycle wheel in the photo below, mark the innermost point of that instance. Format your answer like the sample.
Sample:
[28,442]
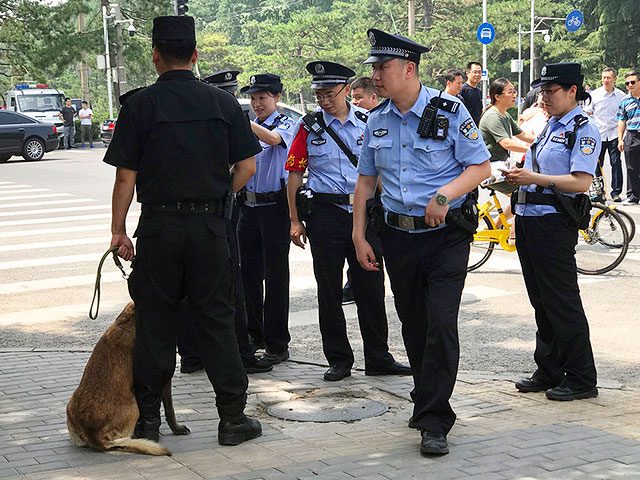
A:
[480,250]
[603,245]
[629,222]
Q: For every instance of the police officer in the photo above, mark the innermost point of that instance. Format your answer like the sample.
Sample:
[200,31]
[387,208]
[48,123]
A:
[427,150]
[190,359]
[263,229]
[329,141]
[174,143]
[563,158]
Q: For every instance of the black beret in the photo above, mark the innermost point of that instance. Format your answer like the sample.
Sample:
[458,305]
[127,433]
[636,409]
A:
[225,79]
[174,28]
[385,47]
[328,74]
[263,82]
[568,73]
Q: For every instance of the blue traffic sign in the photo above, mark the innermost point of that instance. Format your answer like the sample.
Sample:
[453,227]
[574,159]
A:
[486,33]
[574,20]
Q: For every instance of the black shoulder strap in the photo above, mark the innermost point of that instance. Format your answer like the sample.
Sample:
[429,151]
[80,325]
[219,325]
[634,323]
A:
[578,121]
[534,163]
[363,117]
[445,104]
[350,155]
[276,121]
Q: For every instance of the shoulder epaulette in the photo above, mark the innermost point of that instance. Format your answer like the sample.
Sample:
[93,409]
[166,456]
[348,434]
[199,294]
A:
[380,105]
[579,121]
[363,117]
[445,104]
[125,96]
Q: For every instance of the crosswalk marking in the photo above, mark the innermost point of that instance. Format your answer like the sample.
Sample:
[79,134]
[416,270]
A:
[35,221]
[52,231]
[5,183]
[39,195]
[46,202]
[15,186]
[47,211]
[60,282]
[28,190]
[54,244]
[41,262]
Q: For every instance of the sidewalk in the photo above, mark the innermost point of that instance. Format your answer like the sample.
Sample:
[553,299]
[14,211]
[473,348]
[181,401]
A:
[500,433]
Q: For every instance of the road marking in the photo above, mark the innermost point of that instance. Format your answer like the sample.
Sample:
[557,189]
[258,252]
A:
[53,210]
[40,262]
[16,186]
[60,282]
[47,202]
[81,228]
[40,195]
[58,243]
[6,183]
[49,315]
[34,221]
[29,190]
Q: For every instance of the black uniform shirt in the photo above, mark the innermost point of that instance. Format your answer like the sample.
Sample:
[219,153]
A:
[181,136]
[472,97]
[67,114]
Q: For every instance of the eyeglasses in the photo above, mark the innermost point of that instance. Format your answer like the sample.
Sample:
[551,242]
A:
[630,82]
[329,96]
[509,92]
[547,92]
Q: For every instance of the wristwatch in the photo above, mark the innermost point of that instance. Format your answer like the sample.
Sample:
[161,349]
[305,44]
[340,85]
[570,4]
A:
[441,199]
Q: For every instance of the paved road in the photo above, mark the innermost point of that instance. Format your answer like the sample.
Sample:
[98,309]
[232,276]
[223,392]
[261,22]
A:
[54,227]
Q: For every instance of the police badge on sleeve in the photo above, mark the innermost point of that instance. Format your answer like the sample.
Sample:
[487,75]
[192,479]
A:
[469,130]
[587,145]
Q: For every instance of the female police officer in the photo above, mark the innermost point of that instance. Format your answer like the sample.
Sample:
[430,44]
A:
[563,158]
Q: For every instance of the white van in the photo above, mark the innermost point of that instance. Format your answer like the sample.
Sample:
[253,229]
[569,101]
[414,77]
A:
[39,102]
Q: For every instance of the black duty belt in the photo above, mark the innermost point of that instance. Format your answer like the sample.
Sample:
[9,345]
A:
[537,198]
[407,222]
[209,207]
[338,198]
[264,197]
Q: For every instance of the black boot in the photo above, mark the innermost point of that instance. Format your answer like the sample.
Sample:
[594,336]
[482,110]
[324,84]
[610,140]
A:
[237,429]
[147,427]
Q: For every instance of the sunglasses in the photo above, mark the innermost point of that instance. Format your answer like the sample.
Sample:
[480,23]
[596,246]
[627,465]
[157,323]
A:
[630,82]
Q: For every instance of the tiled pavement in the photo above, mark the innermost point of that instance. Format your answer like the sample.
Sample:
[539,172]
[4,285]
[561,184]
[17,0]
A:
[500,433]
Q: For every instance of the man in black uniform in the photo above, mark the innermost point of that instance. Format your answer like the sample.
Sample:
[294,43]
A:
[190,358]
[175,142]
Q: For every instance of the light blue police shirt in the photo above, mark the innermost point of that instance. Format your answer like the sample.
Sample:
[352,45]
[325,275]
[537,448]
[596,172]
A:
[554,158]
[270,162]
[412,168]
[330,171]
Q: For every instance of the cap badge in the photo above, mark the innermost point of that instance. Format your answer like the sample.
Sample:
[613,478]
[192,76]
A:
[252,80]
[372,38]
[544,71]
[319,68]
[228,76]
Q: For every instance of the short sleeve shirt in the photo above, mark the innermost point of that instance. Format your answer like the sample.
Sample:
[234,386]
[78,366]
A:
[629,111]
[68,113]
[472,97]
[180,136]
[495,127]
[604,108]
[413,168]
[85,112]
[555,158]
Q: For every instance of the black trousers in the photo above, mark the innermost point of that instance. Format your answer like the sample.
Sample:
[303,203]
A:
[546,247]
[632,157]
[263,240]
[427,272]
[188,333]
[329,230]
[611,146]
[182,255]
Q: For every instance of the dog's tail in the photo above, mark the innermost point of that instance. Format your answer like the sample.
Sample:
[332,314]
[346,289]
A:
[137,445]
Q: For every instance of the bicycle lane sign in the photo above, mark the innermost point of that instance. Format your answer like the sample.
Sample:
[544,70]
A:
[574,20]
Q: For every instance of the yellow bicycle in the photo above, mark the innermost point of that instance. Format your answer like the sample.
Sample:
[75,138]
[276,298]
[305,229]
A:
[600,248]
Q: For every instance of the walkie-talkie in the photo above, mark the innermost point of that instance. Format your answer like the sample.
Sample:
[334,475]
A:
[425,128]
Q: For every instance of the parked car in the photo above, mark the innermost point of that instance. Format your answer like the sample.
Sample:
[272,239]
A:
[107,127]
[26,136]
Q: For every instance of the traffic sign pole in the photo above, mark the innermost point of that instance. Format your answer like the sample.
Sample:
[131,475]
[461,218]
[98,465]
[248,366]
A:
[484,55]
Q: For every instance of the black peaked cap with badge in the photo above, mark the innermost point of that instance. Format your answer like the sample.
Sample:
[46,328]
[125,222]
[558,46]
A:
[385,47]
[263,82]
[224,79]
[173,27]
[568,73]
[328,74]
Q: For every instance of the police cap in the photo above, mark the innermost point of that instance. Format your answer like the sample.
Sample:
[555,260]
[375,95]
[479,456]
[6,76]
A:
[385,47]
[174,28]
[328,74]
[567,73]
[263,82]
[224,79]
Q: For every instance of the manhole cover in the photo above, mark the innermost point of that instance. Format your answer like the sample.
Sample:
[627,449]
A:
[327,409]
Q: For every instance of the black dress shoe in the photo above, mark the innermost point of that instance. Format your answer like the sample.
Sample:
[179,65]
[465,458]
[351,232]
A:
[412,424]
[527,385]
[259,366]
[337,372]
[347,295]
[190,367]
[616,198]
[237,429]
[147,428]
[393,368]
[274,358]
[567,394]
[434,443]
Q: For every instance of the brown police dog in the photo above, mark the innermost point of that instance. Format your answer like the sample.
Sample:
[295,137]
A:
[103,412]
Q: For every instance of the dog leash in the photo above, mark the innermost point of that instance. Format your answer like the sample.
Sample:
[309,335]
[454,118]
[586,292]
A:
[96,288]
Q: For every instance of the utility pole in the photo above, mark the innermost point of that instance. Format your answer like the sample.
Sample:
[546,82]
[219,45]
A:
[121,79]
[532,69]
[84,68]
[412,17]
[107,56]
[484,57]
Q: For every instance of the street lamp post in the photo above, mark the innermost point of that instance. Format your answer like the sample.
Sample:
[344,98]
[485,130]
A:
[107,59]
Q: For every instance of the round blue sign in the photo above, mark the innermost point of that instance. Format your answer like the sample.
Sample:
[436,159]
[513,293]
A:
[574,20]
[486,33]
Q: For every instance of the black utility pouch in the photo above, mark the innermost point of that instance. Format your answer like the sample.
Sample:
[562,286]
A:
[469,209]
[304,203]
[375,215]
[582,206]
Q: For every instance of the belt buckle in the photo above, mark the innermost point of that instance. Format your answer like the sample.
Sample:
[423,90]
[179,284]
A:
[406,222]
[251,197]
[522,196]
[351,196]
